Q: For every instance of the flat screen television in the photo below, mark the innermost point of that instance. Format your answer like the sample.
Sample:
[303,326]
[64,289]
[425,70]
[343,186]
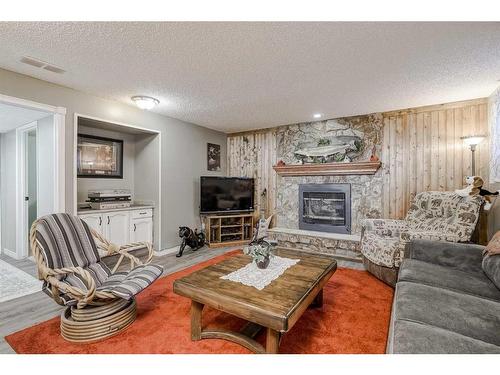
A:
[226,194]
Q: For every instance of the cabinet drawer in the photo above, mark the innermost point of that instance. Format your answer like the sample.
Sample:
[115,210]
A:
[138,214]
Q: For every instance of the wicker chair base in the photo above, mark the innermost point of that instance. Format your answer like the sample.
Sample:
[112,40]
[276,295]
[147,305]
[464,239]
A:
[94,323]
[386,274]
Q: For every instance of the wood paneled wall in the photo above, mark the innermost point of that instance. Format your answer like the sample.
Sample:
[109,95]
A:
[253,155]
[422,151]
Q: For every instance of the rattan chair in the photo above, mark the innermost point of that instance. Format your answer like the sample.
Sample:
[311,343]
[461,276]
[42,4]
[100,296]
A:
[100,302]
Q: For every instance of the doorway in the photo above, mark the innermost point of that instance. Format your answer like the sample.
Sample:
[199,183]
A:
[31,170]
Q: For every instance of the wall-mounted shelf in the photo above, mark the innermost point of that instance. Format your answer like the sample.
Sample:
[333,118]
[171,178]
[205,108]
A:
[329,169]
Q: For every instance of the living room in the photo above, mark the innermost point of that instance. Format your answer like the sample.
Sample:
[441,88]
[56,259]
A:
[343,202]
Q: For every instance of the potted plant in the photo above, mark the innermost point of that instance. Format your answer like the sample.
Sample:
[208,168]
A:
[260,252]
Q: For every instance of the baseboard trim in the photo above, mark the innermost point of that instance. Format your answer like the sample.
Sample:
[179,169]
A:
[172,250]
[10,253]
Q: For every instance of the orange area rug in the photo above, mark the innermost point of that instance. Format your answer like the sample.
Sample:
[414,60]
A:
[354,319]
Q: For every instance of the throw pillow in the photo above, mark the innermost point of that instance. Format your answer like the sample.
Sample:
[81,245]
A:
[493,247]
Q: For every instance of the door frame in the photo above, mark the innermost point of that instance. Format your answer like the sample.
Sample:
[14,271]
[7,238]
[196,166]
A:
[21,186]
[59,116]
[157,212]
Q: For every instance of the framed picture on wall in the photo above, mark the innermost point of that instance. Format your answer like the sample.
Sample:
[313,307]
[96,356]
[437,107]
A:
[213,157]
[99,157]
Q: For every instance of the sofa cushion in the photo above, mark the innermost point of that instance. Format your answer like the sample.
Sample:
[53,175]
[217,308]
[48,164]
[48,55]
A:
[416,338]
[467,315]
[493,246]
[491,267]
[445,277]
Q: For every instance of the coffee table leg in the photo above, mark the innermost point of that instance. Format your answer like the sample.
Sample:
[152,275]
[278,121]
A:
[196,309]
[272,341]
[318,300]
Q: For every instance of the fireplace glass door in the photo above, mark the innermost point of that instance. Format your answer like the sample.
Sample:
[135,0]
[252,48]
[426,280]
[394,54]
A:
[325,207]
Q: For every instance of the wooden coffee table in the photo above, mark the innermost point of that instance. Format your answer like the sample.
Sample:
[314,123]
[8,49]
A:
[276,308]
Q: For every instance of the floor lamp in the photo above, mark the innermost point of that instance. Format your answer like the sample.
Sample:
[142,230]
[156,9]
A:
[472,141]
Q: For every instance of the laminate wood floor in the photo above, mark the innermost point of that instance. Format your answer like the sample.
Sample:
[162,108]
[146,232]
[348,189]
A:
[29,310]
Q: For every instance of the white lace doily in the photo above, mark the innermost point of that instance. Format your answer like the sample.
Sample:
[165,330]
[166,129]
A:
[251,275]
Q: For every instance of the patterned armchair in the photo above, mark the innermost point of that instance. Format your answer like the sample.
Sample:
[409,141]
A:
[433,215]
[100,302]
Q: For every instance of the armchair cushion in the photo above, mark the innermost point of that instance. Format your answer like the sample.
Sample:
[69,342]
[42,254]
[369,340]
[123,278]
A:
[127,284]
[123,285]
[66,241]
[383,251]
[431,235]
[444,212]
[384,227]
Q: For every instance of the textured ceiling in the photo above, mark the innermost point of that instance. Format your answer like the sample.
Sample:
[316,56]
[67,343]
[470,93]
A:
[12,117]
[239,76]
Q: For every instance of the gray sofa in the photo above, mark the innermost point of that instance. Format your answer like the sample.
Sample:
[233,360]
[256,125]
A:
[444,302]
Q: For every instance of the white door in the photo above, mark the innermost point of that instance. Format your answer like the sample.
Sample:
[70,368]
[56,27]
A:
[95,221]
[141,230]
[117,227]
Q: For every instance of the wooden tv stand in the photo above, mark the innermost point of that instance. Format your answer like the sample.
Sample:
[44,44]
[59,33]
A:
[228,230]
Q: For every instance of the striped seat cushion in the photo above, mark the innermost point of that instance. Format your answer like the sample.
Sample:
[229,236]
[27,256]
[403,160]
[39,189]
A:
[122,284]
[99,271]
[66,241]
[127,284]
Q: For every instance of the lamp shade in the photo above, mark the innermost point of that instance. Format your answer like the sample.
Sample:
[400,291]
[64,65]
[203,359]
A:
[473,139]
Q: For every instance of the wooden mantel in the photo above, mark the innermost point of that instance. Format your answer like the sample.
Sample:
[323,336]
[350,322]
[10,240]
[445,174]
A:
[329,169]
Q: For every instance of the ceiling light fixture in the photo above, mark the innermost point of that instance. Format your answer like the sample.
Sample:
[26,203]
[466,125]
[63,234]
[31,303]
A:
[145,102]
[317,115]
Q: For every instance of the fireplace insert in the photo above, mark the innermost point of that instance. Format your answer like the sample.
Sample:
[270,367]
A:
[325,207]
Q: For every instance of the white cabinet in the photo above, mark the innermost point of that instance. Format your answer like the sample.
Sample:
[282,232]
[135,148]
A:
[141,230]
[123,226]
[94,221]
[117,228]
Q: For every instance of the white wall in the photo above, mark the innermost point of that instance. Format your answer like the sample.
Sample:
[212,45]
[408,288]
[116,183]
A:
[147,182]
[46,173]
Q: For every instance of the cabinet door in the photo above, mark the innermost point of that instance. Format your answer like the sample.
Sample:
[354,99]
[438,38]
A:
[141,230]
[116,227]
[95,221]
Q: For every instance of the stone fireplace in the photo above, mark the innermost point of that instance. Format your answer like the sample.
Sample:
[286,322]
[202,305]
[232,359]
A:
[321,222]
[325,207]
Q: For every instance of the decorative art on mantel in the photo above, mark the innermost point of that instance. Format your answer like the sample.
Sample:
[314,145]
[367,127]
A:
[342,148]
[213,157]
[339,140]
